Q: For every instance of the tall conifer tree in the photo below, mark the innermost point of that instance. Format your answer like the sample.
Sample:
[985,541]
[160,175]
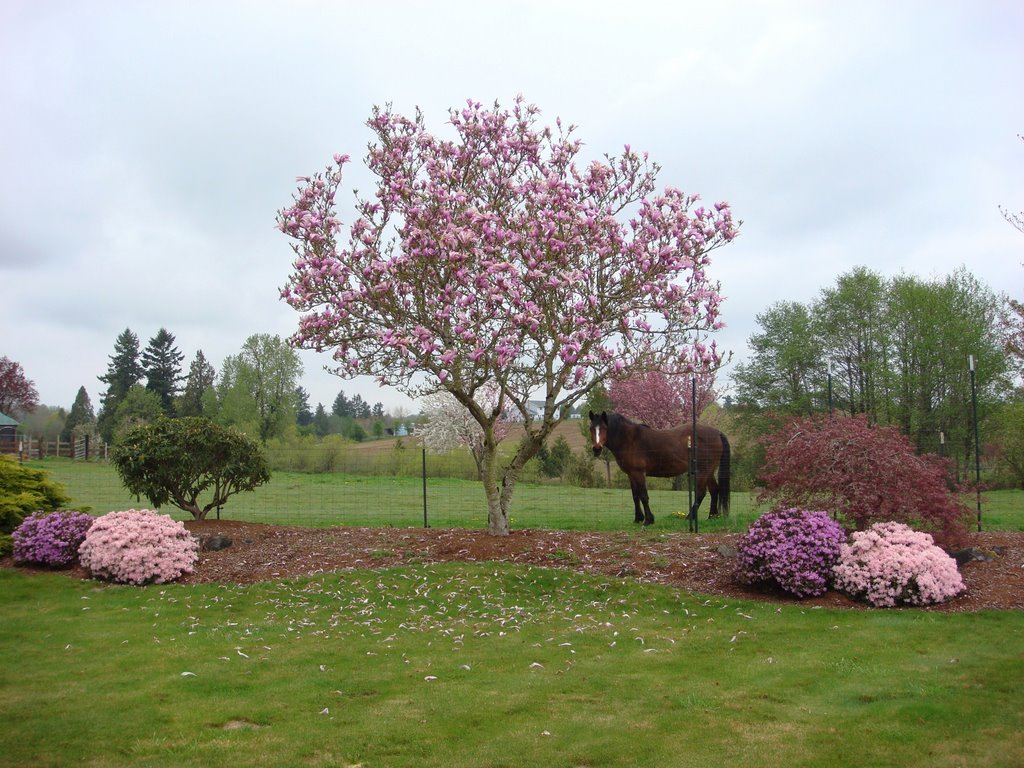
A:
[123,372]
[81,414]
[201,376]
[161,361]
[304,414]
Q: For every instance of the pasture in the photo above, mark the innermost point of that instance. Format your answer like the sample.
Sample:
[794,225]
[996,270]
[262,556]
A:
[339,498]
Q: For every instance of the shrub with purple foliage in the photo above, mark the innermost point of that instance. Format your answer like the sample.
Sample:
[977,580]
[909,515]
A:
[51,538]
[890,564]
[138,546]
[792,548]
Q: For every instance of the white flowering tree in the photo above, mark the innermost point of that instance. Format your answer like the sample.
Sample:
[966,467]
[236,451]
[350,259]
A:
[450,425]
[494,257]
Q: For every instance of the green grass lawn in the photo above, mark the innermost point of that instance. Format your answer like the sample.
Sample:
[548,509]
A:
[484,665]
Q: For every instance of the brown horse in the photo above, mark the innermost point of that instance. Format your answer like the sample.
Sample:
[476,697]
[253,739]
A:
[640,450]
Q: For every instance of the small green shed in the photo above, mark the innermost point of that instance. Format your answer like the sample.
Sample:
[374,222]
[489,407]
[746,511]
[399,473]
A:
[8,434]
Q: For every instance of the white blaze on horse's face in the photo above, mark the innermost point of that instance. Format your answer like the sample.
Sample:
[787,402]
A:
[598,445]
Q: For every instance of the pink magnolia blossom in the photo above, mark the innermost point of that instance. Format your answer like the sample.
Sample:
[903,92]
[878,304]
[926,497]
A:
[496,255]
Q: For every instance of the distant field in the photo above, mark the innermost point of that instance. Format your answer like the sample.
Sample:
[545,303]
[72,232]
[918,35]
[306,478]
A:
[336,498]
[297,498]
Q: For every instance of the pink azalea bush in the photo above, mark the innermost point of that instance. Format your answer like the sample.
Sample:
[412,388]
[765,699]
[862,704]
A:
[890,564]
[792,548]
[138,546]
[51,538]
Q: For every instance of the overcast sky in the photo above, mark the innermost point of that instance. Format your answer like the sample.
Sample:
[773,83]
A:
[145,147]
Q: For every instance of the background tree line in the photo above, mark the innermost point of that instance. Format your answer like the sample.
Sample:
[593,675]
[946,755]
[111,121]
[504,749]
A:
[256,391]
[893,349]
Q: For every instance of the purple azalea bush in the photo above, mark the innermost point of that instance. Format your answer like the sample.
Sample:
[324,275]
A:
[51,538]
[792,548]
[891,564]
[138,546]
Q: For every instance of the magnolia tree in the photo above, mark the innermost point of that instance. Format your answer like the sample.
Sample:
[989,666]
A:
[496,256]
[450,425]
[661,400]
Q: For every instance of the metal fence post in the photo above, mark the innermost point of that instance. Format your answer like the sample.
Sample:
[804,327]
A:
[425,525]
[696,482]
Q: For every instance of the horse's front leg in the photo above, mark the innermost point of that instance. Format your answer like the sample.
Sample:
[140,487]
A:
[638,483]
[696,504]
[638,515]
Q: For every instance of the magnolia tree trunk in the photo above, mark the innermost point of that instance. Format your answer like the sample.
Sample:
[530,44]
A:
[499,483]
[497,511]
[497,504]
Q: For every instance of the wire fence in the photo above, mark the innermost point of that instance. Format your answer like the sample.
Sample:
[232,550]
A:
[407,487]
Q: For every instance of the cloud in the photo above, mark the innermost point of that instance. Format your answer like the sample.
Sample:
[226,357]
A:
[147,146]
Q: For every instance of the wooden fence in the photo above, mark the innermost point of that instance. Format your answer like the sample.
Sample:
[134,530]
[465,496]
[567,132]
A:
[35,447]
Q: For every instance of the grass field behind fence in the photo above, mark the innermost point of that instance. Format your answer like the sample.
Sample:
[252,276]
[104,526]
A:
[338,498]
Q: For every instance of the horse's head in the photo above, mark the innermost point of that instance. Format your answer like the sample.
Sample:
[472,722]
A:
[598,431]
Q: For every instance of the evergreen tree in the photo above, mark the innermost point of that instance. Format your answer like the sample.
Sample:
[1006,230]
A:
[161,361]
[321,422]
[359,408]
[378,410]
[81,414]
[123,372]
[304,415]
[341,405]
[201,377]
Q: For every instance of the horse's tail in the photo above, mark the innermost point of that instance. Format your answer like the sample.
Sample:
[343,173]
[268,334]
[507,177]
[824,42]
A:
[723,476]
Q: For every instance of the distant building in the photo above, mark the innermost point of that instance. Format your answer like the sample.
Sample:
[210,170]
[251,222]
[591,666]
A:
[536,409]
[8,434]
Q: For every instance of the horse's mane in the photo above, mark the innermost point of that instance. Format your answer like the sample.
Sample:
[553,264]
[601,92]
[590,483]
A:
[620,419]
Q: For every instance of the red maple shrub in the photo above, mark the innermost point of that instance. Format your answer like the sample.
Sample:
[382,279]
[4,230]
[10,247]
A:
[863,474]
